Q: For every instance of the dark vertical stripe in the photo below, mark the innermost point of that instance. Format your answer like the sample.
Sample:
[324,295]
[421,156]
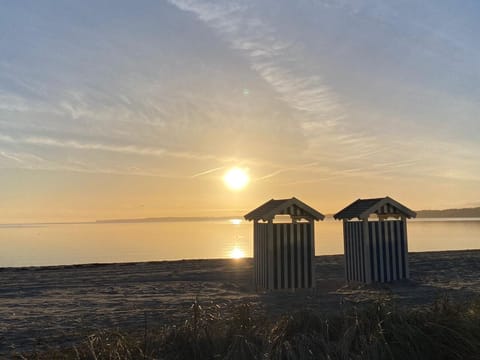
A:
[275,257]
[310,237]
[376,260]
[262,257]
[397,253]
[289,258]
[295,257]
[359,251]
[385,252]
[292,255]
[262,264]
[282,253]
[302,256]
[350,251]
[390,250]
[382,251]
[399,250]
[285,255]
[298,231]
[372,255]
[362,251]
[345,251]
[265,256]
[378,231]
[295,246]
[355,251]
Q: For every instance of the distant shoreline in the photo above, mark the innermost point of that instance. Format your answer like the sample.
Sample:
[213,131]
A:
[466,213]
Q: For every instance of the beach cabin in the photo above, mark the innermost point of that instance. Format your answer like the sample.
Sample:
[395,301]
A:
[284,244]
[376,250]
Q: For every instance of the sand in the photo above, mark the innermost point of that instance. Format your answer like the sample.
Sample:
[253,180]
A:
[59,305]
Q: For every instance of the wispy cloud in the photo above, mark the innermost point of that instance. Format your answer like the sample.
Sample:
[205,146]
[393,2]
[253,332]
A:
[206,172]
[133,150]
[73,144]
[259,42]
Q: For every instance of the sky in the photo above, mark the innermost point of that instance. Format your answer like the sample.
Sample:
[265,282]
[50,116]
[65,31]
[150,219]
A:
[121,109]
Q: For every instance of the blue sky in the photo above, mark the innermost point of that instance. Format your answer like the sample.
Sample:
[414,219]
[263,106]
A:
[133,103]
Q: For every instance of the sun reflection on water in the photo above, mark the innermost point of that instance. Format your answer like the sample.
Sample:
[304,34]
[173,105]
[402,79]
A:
[237,253]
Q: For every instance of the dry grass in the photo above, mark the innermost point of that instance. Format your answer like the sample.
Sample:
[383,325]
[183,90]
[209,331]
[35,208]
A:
[378,330]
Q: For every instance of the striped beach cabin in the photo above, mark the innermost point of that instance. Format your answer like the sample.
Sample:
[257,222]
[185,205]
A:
[376,250]
[284,244]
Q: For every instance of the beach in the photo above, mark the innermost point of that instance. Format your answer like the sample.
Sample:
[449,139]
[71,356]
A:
[54,306]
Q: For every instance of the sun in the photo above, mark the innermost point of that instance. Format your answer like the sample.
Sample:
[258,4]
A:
[237,253]
[236,178]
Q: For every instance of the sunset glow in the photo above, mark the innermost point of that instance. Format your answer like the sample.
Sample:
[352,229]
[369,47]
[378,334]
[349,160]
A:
[238,99]
[237,253]
[236,179]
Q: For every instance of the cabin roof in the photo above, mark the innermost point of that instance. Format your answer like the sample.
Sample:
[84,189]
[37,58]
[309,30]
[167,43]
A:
[362,208]
[293,207]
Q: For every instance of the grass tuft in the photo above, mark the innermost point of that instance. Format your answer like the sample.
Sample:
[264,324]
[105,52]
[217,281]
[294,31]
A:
[378,330]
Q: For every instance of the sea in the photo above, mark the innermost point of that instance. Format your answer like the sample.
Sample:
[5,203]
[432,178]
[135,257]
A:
[67,244]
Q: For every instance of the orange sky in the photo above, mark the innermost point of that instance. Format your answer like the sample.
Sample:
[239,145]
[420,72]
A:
[140,109]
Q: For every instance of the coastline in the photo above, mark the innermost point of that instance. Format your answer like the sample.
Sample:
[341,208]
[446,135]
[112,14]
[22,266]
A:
[50,305]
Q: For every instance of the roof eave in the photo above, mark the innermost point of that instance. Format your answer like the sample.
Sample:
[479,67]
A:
[403,209]
[274,211]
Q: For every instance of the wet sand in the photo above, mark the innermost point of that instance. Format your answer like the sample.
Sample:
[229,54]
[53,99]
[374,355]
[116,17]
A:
[57,305]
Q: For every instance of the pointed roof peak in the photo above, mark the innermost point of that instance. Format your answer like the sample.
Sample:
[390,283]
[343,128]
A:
[292,206]
[362,208]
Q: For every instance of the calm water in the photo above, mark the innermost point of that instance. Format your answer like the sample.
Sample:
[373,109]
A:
[87,243]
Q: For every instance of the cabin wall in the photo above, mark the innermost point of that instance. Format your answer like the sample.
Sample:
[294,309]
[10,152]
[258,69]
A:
[354,251]
[376,251]
[284,255]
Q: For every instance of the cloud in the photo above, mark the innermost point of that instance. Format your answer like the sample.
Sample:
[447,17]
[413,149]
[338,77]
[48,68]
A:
[133,150]
[73,144]
[271,58]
